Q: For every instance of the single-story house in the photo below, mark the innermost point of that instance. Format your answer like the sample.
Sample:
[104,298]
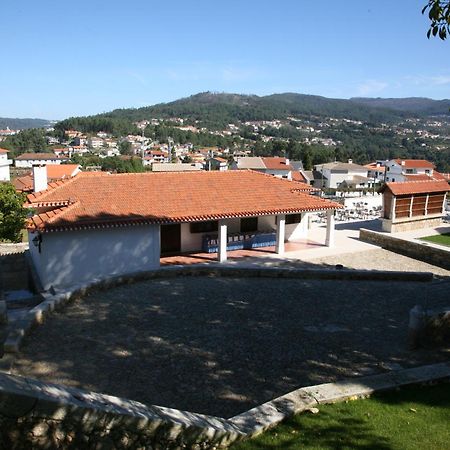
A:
[28,160]
[97,225]
[411,205]
[276,166]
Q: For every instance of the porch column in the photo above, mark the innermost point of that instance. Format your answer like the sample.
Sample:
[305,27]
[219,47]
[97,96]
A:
[222,250]
[394,201]
[329,241]
[281,231]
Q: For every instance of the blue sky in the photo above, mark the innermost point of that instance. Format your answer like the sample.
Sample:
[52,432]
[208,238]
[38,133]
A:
[75,58]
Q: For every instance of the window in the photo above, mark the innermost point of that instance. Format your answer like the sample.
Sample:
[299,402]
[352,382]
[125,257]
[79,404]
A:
[249,224]
[409,171]
[293,218]
[427,170]
[204,227]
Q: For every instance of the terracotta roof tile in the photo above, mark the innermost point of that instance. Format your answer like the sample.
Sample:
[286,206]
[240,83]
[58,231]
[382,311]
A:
[170,197]
[411,163]
[3,150]
[416,187]
[276,163]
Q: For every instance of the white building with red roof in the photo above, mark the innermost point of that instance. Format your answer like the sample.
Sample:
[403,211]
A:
[28,160]
[408,170]
[4,165]
[97,226]
[276,166]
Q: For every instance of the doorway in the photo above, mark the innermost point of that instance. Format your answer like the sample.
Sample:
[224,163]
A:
[170,239]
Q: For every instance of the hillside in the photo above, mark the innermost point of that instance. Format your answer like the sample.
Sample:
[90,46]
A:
[216,110]
[22,124]
[414,105]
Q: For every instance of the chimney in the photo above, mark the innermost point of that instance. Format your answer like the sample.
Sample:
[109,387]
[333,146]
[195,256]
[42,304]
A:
[39,178]
[402,162]
[350,161]
[286,161]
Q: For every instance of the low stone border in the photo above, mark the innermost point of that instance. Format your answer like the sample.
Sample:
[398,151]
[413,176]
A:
[51,301]
[34,414]
[437,256]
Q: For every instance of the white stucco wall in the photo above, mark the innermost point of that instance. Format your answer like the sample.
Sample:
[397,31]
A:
[4,173]
[30,162]
[76,257]
[297,230]
[293,231]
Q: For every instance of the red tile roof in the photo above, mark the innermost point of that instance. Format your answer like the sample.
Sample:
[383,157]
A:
[373,166]
[298,176]
[276,163]
[416,187]
[54,172]
[3,150]
[124,199]
[411,163]
[424,176]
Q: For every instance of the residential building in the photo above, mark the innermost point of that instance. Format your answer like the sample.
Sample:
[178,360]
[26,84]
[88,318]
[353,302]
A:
[376,171]
[4,165]
[332,175]
[276,166]
[95,142]
[217,163]
[410,205]
[176,167]
[98,225]
[29,159]
[408,170]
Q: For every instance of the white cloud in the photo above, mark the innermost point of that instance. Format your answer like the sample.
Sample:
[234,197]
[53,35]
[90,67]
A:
[371,87]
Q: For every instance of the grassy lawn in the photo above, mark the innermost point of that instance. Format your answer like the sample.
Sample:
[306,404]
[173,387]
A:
[411,418]
[442,239]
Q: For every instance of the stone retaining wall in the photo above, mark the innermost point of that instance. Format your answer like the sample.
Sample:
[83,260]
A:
[14,271]
[421,251]
[39,415]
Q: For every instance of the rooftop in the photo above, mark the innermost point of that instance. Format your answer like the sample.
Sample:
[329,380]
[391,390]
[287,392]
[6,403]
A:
[416,187]
[43,156]
[144,198]
[412,163]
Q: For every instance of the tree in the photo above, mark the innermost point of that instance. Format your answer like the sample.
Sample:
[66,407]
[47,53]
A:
[439,15]
[12,213]
[125,148]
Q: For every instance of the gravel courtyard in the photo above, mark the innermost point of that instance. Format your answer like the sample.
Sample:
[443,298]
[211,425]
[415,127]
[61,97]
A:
[223,345]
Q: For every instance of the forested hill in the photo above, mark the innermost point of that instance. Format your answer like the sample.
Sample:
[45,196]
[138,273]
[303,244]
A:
[22,124]
[414,105]
[216,110]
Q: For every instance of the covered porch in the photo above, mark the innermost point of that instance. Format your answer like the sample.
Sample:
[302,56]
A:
[247,237]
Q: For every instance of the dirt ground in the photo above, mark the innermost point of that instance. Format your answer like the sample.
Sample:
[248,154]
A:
[223,345]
